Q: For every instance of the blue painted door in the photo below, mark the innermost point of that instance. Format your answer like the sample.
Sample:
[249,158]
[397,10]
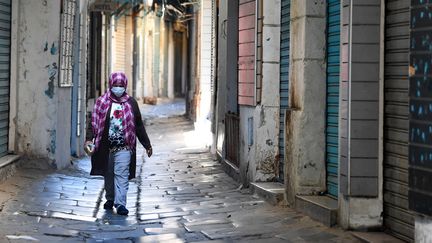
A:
[284,68]
[332,108]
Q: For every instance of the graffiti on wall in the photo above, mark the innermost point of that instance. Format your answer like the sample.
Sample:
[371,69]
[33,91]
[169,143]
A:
[53,49]
[420,108]
[52,72]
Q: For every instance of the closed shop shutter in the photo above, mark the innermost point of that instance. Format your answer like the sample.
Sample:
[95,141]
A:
[284,80]
[397,218]
[5,35]
[332,107]
[120,45]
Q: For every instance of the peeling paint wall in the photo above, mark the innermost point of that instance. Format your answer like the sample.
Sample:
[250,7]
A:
[40,103]
[259,162]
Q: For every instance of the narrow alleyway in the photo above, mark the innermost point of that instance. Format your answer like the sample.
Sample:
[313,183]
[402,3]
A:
[180,195]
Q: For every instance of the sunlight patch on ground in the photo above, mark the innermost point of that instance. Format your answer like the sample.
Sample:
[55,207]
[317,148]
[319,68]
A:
[201,137]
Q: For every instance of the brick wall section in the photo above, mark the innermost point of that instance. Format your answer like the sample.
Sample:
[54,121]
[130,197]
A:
[359,112]
[246,56]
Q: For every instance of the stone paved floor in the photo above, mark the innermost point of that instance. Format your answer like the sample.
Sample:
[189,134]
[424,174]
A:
[180,195]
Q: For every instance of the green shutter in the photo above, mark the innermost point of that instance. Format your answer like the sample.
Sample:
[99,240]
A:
[332,107]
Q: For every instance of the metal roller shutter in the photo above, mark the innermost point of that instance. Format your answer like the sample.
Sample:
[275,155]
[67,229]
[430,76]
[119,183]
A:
[332,107]
[5,35]
[120,45]
[284,80]
[397,218]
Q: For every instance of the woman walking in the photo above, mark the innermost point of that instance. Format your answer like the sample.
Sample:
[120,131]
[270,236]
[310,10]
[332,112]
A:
[116,123]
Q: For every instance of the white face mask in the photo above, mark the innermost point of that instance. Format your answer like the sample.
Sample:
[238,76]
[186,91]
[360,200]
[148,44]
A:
[118,91]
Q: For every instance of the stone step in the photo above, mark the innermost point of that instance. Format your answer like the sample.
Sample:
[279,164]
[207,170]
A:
[272,192]
[320,208]
[375,237]
[8,166]
[229,167]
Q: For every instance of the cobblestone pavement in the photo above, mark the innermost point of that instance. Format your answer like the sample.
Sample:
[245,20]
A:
[180,195]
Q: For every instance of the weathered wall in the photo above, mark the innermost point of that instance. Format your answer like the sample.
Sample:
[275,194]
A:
[193,64]
[43,118]
[247,145]
[258,161]
[267,113]
[148,23]
[305,161]
[78,124]
[163,61]
[171,64]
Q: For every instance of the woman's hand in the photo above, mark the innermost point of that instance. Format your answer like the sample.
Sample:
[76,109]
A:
[149,152]
[89,148]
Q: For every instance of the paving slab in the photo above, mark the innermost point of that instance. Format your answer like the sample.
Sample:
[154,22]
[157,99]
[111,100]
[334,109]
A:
[180,195]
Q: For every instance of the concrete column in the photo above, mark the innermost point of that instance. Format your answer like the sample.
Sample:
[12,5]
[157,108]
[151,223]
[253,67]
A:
[267,124]
[221,91]
[171,63]
[14,69]
[104,50]
[205,59]
[203,123]
[184,62]
[162,58]
[305,122]
[83,78]
[148,50]
[360,172]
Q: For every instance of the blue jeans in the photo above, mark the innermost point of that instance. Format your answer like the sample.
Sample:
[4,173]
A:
[117,177]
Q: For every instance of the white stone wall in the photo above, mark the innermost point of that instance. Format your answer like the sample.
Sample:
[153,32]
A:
[267,114]
[203,121]
[205,61]
[258,162]
[305,141]
[43,113]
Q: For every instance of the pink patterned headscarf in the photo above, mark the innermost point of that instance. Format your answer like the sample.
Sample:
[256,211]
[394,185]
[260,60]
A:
[103,104]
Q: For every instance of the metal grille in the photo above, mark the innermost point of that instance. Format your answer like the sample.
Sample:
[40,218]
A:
[232,138]
[397,218]
[5,30]
[66,42]
[332,106]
